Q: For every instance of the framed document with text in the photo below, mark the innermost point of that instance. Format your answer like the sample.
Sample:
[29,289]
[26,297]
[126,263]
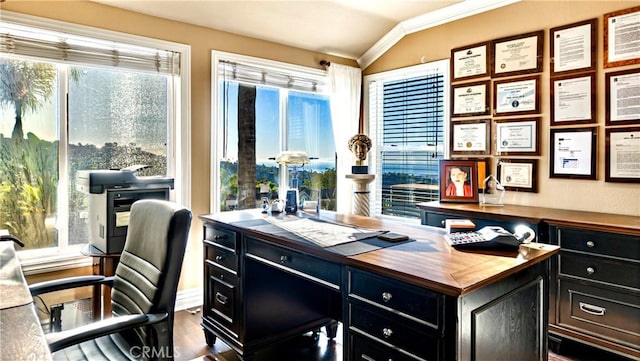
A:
[621,45]
[573,153]
[517,136]
[470,99]
[470,137]
[518,174]
[515,55]
[573,47]
[516,96]
[621,97]
[470,61]
[622,155]
[573,99]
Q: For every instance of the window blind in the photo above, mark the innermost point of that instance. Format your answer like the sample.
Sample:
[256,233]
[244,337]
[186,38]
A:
[263,75]
[62,47]
[408,116]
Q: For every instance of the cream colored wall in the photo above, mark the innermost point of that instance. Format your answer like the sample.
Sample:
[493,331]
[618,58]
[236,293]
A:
[202,41]
[436,43]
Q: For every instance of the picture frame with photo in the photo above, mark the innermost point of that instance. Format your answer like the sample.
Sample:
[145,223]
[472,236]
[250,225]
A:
[458,181]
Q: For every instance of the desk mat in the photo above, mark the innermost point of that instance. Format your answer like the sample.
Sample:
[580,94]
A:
[337,238]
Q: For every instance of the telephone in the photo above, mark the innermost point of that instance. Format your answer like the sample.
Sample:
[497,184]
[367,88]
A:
[491,237]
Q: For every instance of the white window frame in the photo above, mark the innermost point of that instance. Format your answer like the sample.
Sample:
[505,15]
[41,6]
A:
[178,153]
[370,123]
[216,148]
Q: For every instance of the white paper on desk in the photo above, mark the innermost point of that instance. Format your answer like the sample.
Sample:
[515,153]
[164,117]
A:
[324,234]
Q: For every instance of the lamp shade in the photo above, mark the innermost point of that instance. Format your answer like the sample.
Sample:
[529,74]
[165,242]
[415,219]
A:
[292,157]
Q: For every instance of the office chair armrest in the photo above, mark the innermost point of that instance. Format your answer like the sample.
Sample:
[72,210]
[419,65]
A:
[66,283]
[63,339]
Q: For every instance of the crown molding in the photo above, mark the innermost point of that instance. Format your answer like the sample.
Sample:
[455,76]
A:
[448,14]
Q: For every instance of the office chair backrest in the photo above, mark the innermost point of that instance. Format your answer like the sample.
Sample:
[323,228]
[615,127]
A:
[146,279]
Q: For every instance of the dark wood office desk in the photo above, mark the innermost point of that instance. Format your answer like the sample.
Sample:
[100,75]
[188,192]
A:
[21,336]
[416,300]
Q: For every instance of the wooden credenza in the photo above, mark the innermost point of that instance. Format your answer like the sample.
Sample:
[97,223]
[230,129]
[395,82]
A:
[595,279]
[417,300]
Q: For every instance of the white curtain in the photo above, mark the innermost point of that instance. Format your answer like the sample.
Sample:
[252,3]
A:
[345,84]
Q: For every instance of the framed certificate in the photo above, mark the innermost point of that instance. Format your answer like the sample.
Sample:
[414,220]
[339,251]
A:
[520,54]
[520,96]
[573,153]
[621,97]
[470,61]
[470,99]
[622,155]
[621,45]
[573,99]
[517,136]
[470,137]
[518,174]
[573,47]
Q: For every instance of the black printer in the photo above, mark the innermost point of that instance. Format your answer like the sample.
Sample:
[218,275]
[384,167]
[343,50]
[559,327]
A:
[111,194]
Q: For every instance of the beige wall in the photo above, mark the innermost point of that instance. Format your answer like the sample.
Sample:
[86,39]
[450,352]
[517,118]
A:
[202,41]
[528,16]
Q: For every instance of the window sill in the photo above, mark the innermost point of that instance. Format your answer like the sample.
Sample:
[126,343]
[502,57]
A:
[40,262]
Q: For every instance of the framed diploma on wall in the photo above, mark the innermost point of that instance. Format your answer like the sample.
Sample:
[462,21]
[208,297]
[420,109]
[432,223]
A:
[470,99]
[518,174]
[621,97]
[516,96]
[622,155]
[621,45]
[573,99]
[515,55]
[470,137]
[469,62]
[573,47]
[517,136]
[573,153]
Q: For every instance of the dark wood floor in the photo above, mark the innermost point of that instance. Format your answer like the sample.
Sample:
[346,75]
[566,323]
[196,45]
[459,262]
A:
[190,345]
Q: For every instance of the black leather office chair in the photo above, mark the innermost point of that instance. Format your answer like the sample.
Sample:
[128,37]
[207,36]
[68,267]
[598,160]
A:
[143,293]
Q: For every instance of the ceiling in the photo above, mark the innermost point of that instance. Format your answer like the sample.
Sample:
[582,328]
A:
[349,28]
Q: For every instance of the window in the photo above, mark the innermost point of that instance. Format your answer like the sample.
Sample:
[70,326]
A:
[407,121]
[266,108]
[80,101]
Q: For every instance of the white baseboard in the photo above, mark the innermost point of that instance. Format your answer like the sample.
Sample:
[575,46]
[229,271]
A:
[189,299]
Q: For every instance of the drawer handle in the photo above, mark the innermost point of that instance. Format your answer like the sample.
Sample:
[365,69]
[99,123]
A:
[221,298]
[386,296]
[592,310]
[219,258]
[387,332]
[591,270]
[284,259]
[591,244]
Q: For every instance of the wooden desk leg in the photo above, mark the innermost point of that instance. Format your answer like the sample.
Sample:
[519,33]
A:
[101,301]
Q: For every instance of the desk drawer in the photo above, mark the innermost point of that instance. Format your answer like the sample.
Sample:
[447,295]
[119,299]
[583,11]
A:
[221,256]
[414,301]
[222,293]
[306,265]
[413,337]
[221,236]
[365,349]
[600,311]
[600,269]
[603,243]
